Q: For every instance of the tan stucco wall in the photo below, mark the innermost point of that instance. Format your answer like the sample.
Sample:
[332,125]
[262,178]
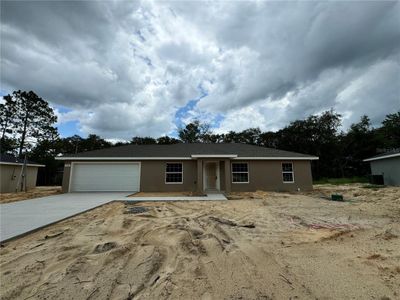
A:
[267,175]
[152,178]
[264,175]
[222,175]
[9,177]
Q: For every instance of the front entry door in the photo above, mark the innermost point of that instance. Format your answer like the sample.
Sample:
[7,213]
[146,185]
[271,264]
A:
[211,175]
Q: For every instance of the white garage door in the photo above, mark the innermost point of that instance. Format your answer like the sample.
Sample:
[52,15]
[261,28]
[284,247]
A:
[105,177]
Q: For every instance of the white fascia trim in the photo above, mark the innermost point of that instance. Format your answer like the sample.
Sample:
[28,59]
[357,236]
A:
[20,164]
[382,157]
[214,155]
[233,156]
[277,158]
[122,158]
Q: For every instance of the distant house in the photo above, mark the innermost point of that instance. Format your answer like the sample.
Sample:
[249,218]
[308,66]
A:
[387,165]
[187,167]
[10,173]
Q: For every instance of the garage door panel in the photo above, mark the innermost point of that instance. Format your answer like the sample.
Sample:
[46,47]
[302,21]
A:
[105,177]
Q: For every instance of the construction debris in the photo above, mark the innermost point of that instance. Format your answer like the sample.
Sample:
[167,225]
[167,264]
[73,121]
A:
[231,223]
[105,247]
[136,210]
[53,235]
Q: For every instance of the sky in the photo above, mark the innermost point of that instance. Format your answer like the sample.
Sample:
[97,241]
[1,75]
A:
[144,68]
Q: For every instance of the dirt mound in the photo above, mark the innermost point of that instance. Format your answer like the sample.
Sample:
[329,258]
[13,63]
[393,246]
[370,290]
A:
[265,246]
[105,247]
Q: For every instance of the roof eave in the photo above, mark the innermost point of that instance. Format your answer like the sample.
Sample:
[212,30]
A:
[232,156]
[382,157]
[20,164]
[120,158]
[280,158]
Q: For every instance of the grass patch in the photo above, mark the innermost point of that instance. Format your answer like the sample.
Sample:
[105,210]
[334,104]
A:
[338,181]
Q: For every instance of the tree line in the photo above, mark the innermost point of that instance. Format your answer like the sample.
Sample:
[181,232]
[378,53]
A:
[27,124]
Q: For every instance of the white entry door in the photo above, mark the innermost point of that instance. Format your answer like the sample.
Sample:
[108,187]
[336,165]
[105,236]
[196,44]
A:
[105,177]
[211,176]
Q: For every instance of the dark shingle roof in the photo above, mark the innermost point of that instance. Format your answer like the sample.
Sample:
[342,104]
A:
[7,158]
[186,150]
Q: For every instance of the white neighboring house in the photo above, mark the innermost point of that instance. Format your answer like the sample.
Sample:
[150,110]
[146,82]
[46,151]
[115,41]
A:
[10,173]
[388,165]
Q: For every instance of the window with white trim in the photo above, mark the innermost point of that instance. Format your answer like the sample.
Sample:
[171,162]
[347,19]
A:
[240,172]
[287,172]
[174,173]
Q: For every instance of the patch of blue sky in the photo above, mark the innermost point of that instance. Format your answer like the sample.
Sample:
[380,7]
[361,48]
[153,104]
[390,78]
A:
[186,111]
[3,93]
[69,128]
[183,112]
[62,109]
[216,122]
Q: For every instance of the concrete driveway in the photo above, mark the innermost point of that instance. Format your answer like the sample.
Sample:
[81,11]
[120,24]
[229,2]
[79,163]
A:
[20,217]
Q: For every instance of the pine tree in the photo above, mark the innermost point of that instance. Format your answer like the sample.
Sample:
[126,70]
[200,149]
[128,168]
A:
[32,119]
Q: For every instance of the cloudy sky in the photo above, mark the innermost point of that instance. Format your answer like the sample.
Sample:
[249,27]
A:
[126,68]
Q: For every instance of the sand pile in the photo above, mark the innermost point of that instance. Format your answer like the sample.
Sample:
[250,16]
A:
[40,191]
[272,246]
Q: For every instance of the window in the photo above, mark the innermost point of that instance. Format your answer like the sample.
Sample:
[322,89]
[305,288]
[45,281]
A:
[287,172]
[174,173]
[240,173]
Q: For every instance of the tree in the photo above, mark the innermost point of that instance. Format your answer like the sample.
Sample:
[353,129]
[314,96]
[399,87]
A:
[137,140]
[212,138]
[316,135]
[8,145]
[194,132]
[250,136]
[166,140]
[7,114]
[71,145]
[32,118]
[75,144]
[357,144]
[94,142]
[231,137]
[268,139]
[8,111]
[391,130]
[44,152]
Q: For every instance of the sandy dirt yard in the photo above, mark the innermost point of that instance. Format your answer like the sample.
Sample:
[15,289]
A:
[40,191]
[267,246]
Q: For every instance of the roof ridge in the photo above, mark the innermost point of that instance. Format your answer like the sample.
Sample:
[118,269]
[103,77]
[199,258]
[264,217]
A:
[182,150]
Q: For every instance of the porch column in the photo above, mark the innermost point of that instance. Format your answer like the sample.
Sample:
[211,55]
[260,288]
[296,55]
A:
[227,164]
[199,175]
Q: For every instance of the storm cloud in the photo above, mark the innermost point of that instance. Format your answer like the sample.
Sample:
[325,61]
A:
[126,68]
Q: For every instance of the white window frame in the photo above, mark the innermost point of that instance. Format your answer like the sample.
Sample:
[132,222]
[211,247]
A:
[165,178]
[292,172]
[248,172]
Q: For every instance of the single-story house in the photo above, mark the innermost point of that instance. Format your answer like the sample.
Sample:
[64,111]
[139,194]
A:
[11,173]
[187,167]
[388,165]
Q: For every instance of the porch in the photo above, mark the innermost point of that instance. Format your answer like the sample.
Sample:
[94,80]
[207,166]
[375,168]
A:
[214,174]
